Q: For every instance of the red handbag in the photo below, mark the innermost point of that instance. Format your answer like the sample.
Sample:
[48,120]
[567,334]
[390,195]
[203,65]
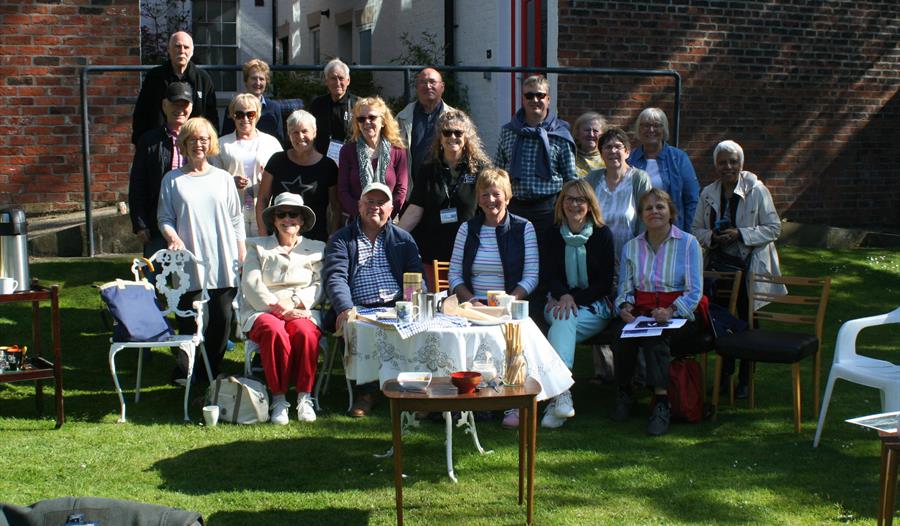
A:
[685,393]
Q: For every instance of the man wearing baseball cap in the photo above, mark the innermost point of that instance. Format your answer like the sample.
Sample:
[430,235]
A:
[364,266]
[154,156]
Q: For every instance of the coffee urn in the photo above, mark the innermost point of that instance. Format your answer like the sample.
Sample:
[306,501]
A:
[14,247]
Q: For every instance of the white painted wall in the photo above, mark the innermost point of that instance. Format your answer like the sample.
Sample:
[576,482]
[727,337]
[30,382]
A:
[254,31]
[481,25]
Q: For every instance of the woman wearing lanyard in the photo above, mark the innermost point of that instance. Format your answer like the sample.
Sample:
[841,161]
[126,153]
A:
[444,192]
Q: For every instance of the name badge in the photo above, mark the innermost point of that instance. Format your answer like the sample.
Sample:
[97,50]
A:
[334,151]
[448,215]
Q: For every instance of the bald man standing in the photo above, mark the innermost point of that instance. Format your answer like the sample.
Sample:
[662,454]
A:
[418,118]
[179,68]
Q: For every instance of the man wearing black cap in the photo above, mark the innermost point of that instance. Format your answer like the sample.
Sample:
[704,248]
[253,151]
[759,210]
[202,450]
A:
[154,156]
[178,68]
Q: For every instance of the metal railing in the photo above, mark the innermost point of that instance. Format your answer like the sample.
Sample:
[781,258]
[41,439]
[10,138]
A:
[408,73]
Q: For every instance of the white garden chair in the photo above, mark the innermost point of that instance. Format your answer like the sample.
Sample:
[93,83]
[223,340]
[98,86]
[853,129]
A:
[850,366]
[172,282]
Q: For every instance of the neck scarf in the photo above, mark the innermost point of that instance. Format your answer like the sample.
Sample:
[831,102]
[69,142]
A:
[576,254]
[542,132]
[366,173]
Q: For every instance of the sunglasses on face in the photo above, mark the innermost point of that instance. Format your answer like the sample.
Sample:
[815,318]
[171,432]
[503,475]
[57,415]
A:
[452,133]
[284,213]
[362,119]
[534,95]
[239,115]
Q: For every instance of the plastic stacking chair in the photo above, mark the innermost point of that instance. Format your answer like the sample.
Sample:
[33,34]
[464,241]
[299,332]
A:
[778,346]
[850,366]
[172,282]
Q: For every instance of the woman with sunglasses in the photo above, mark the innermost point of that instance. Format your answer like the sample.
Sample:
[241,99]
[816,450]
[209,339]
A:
[577,270]
[245,152]
[374,154]
[280,287]
[200,210]
[443,194]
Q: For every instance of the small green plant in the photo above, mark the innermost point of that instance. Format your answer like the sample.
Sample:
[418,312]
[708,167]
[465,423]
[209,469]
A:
[307,85]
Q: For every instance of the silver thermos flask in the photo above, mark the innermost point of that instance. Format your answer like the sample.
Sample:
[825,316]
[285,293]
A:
[14,247]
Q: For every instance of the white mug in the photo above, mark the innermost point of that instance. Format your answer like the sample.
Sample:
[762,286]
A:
[8,285]
[518,309]
[505,301]
[211,415]
[406,311]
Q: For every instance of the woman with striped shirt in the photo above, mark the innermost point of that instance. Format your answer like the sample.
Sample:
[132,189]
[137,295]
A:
[495,250]
[660,276]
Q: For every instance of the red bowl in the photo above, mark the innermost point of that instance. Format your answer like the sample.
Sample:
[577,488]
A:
[465,381]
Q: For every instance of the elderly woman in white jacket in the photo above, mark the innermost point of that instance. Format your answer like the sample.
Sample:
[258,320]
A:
[736,222]
[280,286]
[245,152]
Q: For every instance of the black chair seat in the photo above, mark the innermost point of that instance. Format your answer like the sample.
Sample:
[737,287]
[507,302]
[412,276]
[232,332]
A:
[699,343]
[768,346]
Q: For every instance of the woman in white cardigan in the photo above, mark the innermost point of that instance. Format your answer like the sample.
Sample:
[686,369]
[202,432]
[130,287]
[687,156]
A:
[280,287]
[736,222]
[245,152]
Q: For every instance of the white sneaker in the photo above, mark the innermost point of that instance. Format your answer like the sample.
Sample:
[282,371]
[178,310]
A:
[305,410]
[280,413]
[564,407]
[550,419]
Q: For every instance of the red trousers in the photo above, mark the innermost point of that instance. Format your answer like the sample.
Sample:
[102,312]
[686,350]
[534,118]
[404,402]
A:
[289,350]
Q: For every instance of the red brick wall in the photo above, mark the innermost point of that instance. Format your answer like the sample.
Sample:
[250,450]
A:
[809,89]
[43,46]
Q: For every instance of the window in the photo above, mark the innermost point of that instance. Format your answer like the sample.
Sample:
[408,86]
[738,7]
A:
[314,45]
[215,39]
[365,46]
[285,44]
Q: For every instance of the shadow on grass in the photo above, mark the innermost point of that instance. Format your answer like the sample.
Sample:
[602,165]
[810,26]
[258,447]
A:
[320,517]
[306,464]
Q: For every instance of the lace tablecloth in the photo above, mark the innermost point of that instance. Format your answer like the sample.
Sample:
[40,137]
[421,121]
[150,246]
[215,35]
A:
[375,352]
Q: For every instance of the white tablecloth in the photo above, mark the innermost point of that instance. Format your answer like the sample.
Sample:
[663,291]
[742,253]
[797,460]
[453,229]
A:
[377,353]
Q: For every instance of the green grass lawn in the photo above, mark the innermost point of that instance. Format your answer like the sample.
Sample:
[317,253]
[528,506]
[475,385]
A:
[749,467]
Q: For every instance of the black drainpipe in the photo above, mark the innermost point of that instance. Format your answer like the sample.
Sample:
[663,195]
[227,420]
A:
[449,33]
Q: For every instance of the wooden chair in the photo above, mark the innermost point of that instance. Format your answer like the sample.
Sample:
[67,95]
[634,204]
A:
[723,295]
[439,277]
[778,346]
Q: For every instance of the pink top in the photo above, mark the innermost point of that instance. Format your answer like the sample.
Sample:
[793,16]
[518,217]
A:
[348,186]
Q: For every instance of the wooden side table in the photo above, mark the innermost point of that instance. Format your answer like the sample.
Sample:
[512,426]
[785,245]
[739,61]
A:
[41,368]
[520,397]
[890,455]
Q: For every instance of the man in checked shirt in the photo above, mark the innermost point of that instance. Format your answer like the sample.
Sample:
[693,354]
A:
[538,151]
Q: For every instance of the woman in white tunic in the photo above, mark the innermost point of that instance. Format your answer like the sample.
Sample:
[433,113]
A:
[200,210]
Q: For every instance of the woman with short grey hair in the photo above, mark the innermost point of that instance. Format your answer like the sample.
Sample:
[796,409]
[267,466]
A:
[669,168]
[304,171]
[736,222]
[586,130]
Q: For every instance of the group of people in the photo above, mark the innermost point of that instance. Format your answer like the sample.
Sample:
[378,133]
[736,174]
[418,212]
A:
[593,231]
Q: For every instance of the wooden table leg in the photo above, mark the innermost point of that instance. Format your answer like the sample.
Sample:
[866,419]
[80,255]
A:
[523,434]
[532,450]
[38,351]
[889,460]
[398,460]
[57,355]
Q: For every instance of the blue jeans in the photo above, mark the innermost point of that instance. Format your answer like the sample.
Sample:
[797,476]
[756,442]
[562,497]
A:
[565,333]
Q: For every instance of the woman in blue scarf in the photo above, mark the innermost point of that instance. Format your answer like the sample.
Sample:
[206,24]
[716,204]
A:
[577,267]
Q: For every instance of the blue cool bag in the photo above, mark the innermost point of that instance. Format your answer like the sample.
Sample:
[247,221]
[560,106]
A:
[136,312]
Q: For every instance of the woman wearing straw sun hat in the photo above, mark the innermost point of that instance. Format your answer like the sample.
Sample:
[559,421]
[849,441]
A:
[280,287]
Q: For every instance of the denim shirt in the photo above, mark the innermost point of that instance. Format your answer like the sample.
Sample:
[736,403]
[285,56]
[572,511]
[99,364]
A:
[679,178]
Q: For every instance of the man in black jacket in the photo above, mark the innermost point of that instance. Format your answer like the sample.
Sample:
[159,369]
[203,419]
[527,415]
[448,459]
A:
[178,68]
[334,110]
[154,156]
